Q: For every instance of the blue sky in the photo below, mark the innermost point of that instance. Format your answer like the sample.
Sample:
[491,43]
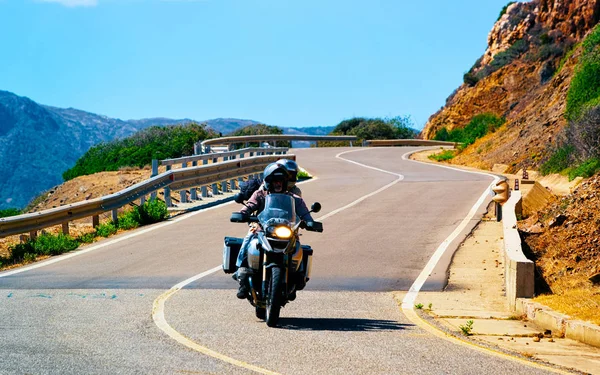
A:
[286,63]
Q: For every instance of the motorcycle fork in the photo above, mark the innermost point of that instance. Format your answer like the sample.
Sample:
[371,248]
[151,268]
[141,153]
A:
[268,263]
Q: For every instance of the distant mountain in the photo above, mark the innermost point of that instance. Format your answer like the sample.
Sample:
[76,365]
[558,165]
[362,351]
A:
[314,130]
[39,142]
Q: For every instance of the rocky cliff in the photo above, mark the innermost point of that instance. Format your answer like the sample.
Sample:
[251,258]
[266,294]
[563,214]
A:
[524,76]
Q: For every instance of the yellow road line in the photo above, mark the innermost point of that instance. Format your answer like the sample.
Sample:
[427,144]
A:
[158,315]
[420,322]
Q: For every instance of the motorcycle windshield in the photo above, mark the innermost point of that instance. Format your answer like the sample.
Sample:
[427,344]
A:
[279,208]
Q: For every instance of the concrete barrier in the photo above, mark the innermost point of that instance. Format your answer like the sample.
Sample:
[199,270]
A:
[559,324]
[518,270]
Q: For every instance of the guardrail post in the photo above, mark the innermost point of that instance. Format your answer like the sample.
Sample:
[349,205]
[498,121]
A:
[193,191]
[168,192]
[142,200]
[33,234]
[95,221]
[204,189]
[224,188]
[183,193]
[65,228]
[240,180]
[232,184]
[351,144]
[215,190]
[115,216]
[154,173]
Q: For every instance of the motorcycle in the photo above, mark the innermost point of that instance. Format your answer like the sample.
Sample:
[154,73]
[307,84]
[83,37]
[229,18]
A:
[279,264]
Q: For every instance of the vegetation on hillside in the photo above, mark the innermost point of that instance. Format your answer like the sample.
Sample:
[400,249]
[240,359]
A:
[140,148]
[54,244]
[478,127]
[260,129]
[10,212]
[577,152]
[399,127]
[540,45]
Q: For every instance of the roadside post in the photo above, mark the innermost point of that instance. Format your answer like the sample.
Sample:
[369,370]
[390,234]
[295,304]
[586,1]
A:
[501,190]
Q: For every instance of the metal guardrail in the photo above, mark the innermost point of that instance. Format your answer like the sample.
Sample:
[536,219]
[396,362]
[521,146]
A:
[406,142]
[206,144]
[173,179]
[224,155]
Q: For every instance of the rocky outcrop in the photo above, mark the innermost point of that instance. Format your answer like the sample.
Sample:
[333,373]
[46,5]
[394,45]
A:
[573,17]
[529,91]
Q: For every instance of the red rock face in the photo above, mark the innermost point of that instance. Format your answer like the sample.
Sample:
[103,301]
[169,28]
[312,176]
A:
[573,17]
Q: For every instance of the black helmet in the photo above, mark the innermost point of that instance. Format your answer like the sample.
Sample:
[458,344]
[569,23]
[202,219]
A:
[274,172]
[291,167]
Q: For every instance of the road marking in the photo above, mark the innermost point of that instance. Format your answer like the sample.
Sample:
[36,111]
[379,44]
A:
[158,308]
[158,315]
[60,258]
[410,298]
[416,319]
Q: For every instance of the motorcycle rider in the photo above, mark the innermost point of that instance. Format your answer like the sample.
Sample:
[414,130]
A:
[276,179]
[292,169]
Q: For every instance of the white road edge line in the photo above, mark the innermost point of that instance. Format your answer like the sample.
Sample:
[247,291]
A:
[60,258]
[158,308]
[410,297]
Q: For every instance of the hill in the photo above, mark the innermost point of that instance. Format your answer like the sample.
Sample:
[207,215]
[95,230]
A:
[540,75]
[38,142]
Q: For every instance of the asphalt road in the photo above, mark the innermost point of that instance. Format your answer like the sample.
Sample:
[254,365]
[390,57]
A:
[92,313]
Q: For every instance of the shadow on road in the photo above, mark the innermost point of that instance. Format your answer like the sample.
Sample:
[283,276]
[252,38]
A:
[340,324]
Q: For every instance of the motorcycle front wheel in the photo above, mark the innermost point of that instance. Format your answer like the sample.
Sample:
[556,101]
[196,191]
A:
[274,300]
[261,313]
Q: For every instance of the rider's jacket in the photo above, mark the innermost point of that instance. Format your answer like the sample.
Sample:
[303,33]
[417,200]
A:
[257,203]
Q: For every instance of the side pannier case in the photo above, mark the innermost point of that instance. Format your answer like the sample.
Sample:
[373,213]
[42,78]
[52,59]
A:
[307,253]
[230,253]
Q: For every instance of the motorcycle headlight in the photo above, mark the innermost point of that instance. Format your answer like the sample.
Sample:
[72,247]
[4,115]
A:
[283,232]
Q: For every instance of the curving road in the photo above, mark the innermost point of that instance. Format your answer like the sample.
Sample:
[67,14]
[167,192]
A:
[384,217]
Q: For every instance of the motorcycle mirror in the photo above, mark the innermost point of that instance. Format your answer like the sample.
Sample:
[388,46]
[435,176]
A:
[316,207]
[238,198]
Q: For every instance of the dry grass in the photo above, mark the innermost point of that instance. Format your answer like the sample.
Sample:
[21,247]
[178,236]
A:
[579,303]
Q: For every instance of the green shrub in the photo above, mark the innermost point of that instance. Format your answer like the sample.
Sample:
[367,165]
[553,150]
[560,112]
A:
[49,244]
[441,135]
[479,126]
[470,79]
[87,238]
[303,175]
[128,220]
[504,9]
[29,257]
[560,160]
[260,129]
[106,229]
[585,86]
[399,127]
[17,252]
[592,40]
[10,212]
[584,90]
[151,211]
[140,148]
[443,156]
[586,169]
